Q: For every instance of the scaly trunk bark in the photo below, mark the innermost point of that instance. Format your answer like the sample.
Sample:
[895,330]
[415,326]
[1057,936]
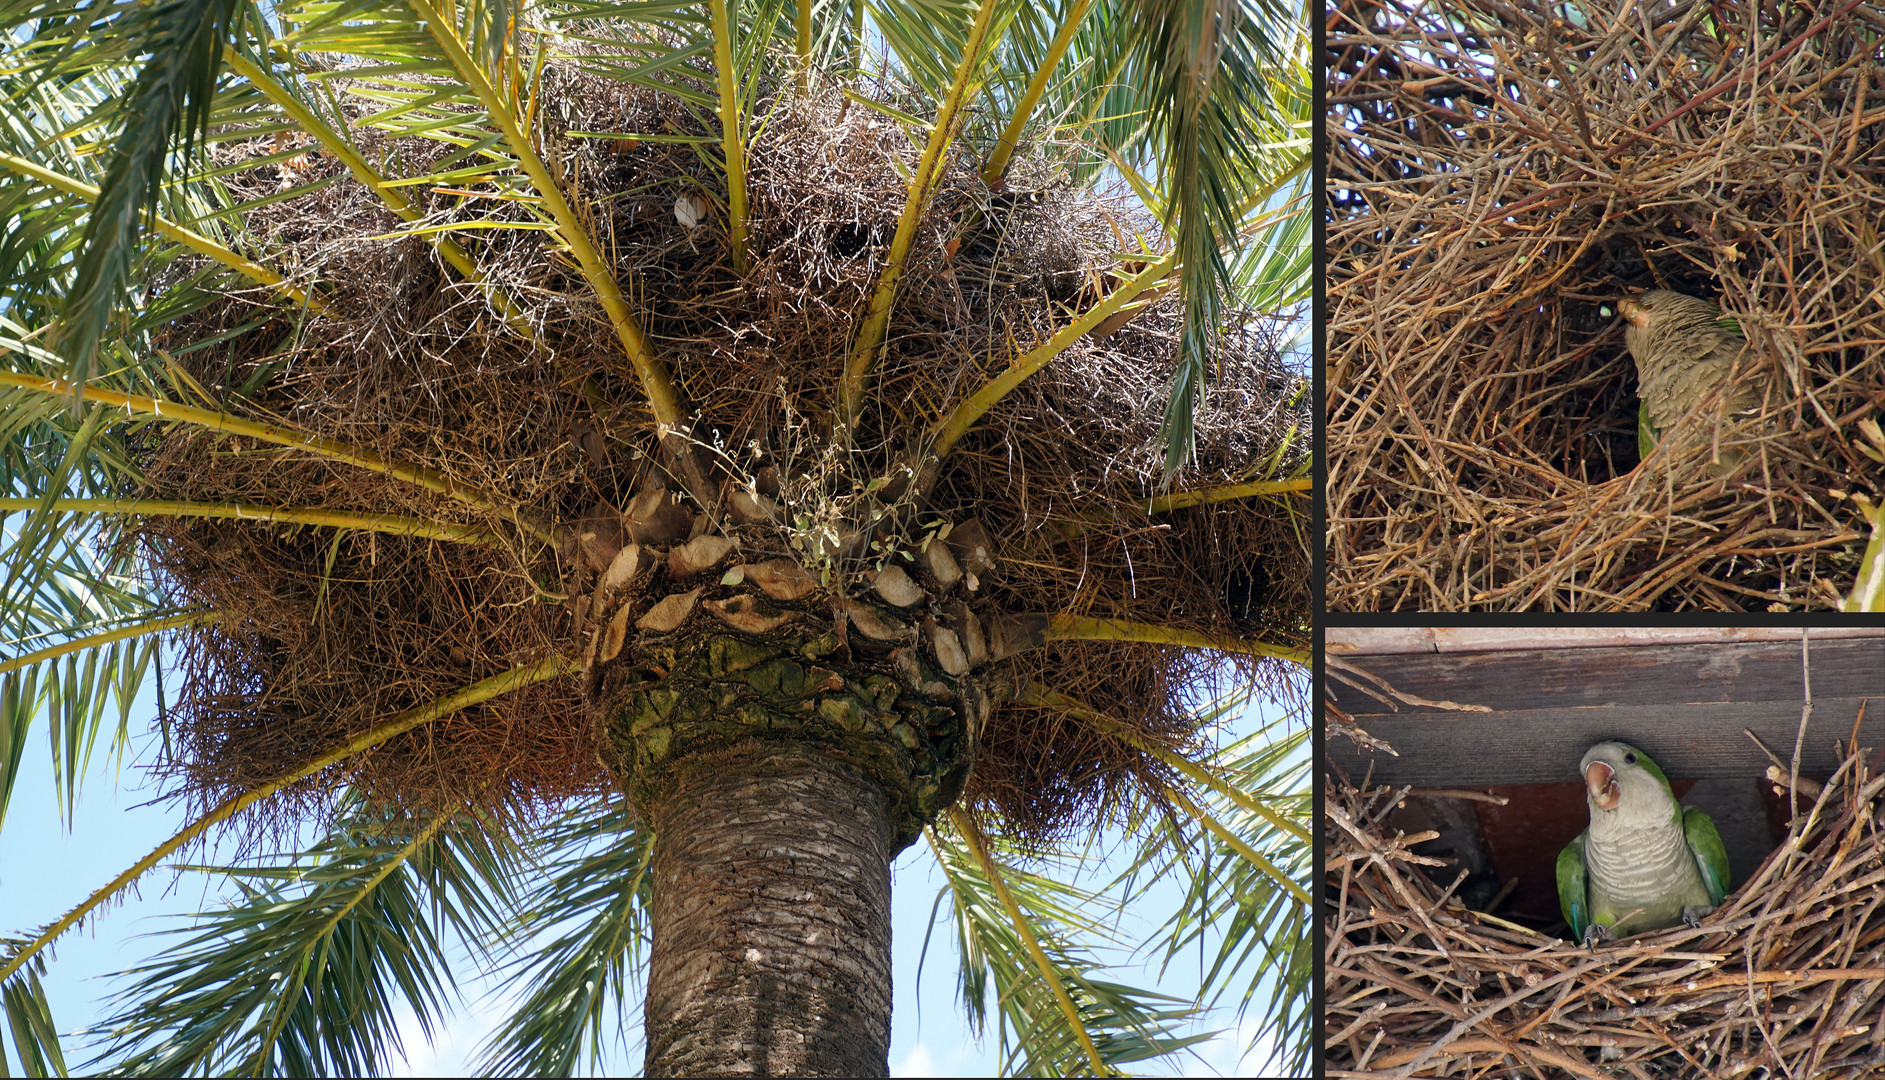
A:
[771,919]
[784,737]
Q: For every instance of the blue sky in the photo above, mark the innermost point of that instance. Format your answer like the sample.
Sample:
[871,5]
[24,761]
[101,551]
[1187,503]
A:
[45,869]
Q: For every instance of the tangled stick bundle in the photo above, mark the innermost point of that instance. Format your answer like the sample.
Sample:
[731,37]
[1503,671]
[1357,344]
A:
[324,633]
[1786,978]
[1500,175]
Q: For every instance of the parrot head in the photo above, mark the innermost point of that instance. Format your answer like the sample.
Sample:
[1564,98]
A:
[1660,305]
[1619,779]
[1661,320]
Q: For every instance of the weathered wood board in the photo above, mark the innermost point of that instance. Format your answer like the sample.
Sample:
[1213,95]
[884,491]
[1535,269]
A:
[1684,705]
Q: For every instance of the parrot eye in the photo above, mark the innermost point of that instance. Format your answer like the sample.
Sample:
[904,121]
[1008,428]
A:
[1630,758]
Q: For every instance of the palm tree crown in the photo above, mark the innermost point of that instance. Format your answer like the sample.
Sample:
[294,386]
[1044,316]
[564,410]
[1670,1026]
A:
[708,429]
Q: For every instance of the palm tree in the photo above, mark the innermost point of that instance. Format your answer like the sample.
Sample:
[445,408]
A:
[632,469]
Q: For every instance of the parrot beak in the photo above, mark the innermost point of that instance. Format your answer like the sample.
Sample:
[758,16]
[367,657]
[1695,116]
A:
[1601,779]
[1635,312]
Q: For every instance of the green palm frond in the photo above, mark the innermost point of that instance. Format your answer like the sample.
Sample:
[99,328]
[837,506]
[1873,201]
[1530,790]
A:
[671,58]
[78,633]
[29,1022]
[75,697]
[303,974]
[1205,126]
[590,900]
[57,584]
[1272,270]
[926,38]
[1212,103]
[21,952]
[164,109]
[1263,952]
[1120,1024]
[1250,925]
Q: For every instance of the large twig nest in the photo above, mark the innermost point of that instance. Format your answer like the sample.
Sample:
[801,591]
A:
[324,634]
[1500,176]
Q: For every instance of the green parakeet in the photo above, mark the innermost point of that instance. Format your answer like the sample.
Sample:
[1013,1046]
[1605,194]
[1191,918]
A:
[1643,850]
[1684,348]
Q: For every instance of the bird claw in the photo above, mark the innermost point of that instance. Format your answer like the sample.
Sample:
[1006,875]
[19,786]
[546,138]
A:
[1692,916]
[1596,934]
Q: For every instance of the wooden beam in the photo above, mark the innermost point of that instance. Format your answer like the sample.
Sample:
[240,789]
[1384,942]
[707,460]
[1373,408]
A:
[1684,705]
[1376,640]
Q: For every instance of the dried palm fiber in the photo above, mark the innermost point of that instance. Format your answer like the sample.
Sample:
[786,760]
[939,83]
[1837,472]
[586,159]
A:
[326,634]
[1786,978]
[1500,176]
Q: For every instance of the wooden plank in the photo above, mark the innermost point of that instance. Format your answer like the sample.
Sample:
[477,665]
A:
[1544,746]
[1641,677]
[1377,640]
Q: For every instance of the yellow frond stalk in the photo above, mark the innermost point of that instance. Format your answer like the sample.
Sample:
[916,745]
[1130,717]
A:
[1036,694]
[655,383]
[870,335]
[1203,817]
[802,46]
[391,524]
[331,449]
[1049,974]
[997,165]
[949,430]
[1088,628]
[289,999]
[732,145]
[333,142]
[474,694]
[92,641]
[1178,500]
[170,230]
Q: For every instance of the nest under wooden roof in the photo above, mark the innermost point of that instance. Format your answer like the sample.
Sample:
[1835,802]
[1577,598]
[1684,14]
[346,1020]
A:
[1500,174]
[1786,978]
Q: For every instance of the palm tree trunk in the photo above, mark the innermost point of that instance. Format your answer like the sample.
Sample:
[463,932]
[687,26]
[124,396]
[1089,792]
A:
[771,919]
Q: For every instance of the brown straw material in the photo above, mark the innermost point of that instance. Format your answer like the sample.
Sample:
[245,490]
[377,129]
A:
[325,632]
[1500,176]
[1786,978]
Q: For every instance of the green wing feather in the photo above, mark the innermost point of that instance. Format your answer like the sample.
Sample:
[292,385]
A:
[1645,431]
[1573,889]
[1710,855]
